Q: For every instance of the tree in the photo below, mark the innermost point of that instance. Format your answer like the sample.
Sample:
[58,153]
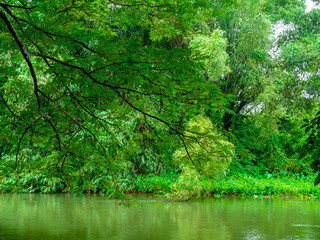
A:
[247,30]
[86,84]
[272,82]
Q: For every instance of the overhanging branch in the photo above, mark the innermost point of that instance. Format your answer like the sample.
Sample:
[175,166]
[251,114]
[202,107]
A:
[25,55]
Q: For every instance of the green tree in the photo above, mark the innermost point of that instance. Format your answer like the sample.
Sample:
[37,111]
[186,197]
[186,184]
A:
[247,29]
[101,85]
[286,94]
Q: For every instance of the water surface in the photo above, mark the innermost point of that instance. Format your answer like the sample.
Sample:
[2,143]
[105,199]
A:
[59,216]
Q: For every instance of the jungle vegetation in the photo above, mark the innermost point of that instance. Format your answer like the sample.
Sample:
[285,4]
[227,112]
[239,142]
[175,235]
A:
[114,96]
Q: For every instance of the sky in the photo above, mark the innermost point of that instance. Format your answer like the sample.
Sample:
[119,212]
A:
[310,5]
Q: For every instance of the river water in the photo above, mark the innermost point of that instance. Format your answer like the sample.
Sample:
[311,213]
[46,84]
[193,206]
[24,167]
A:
[63,216]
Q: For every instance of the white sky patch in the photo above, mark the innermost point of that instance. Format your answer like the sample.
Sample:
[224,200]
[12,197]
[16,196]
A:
[304,75]
[311,5]
[253,108]
[306,95]
[278,29]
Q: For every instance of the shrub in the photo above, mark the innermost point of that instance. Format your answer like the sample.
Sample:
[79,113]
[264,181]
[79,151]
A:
[206,150]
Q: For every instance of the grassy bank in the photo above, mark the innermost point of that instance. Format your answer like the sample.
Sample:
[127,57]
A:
[240,185]
[258,187]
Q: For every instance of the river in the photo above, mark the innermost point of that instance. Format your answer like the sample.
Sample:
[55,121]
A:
[66,216]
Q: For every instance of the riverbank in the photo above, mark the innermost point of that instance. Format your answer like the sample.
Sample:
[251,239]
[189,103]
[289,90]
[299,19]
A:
[245,186]
[172,184]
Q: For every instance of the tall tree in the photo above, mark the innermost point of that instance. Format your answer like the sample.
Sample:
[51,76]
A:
[80,77]
[247,30]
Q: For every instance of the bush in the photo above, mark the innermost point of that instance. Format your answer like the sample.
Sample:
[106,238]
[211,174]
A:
[206,150]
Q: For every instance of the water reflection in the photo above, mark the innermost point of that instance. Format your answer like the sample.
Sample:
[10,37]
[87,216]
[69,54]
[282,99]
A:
[95,217]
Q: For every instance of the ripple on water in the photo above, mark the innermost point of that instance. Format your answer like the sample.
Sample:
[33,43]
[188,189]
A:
[305,225]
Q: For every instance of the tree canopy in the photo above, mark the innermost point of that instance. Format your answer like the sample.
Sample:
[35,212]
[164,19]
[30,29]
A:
[98,89]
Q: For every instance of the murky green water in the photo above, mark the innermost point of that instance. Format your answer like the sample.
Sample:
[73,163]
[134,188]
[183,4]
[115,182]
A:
[46,217]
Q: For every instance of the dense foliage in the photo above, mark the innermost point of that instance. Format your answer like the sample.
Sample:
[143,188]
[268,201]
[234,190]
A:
[96,96]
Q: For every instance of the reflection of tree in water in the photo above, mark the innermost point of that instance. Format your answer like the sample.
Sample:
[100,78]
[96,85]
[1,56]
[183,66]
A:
[270,219]
[200,220]
[94,217]
[74,217]
[71,217]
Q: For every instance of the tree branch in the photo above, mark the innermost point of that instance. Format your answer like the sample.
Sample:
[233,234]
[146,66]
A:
[25,55]
[15,6]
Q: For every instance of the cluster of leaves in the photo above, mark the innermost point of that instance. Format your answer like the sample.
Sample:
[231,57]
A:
[207,151]
[312,144]
[30,183]
[207,155]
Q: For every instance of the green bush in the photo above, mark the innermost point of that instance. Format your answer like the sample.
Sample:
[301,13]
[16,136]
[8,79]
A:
[206,150]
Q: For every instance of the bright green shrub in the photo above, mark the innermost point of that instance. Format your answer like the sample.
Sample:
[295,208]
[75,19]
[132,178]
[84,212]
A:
[206,150]
[205,156]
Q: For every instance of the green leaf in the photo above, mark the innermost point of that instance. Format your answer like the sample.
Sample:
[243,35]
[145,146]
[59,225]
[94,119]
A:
[307,129]
[306,120]
[317,181]
[315,165]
